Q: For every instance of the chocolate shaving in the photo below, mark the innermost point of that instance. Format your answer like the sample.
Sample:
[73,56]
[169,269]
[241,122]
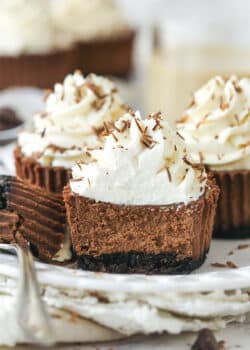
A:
[232,265]
[177,132]
[202,121]
[147,141]
[243,246]
[217,264]
[223,105]
[192,102]
[194,166]
[98,104]
[95,88]
[237,88]
[78,180]
[126,125]
[183,119]
[114,137]
[169,174]
[138,125]
[43,133]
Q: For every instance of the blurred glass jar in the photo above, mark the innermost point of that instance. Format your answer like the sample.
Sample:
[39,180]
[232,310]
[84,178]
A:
[187,54]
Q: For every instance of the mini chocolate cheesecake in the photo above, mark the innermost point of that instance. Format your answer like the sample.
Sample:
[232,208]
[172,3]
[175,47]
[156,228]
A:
[74,119]
[108,56]
[216,129]
[33,217]
[104,37]
[141,206]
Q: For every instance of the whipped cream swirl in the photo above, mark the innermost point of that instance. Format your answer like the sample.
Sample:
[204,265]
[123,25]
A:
[88,20]
[26,26]
[142,162]
[74,120]
[216,126]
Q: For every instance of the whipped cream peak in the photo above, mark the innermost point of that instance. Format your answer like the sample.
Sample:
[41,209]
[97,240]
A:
[89,20]
[142,162]
[217,124]
[73,121]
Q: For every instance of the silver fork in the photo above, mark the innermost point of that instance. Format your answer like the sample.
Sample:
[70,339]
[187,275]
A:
[32,315]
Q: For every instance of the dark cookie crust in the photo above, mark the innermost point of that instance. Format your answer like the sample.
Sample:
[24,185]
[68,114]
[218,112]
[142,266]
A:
[132,262]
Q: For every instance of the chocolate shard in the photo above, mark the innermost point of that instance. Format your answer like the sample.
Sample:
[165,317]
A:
[205,341]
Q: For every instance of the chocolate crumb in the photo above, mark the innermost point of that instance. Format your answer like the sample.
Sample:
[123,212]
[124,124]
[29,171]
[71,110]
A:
[43,133]
[232,265]
[243,246]
[231,252]
[192,102]
[217,264]
[205,341]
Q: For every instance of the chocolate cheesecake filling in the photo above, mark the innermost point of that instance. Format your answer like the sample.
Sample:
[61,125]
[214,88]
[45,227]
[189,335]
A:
[141,238]
[31,216]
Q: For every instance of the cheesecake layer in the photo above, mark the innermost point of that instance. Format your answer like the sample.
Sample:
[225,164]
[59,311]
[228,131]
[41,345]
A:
[105,235]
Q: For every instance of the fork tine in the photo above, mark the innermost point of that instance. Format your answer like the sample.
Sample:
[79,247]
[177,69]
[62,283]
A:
[31,312]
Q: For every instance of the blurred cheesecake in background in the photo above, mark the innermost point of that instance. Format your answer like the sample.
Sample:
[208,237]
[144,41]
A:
[104,36]
[32,51]
[41,41]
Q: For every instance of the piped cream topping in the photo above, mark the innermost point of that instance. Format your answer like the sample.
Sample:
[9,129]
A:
[26,26]
[88,20]
[216,126]
[142,162]
[74,120]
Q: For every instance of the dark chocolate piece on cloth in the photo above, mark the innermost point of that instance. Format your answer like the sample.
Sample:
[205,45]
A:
[30,215]
[205,341]
[8,118]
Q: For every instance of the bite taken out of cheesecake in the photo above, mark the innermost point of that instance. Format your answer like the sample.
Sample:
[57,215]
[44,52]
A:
[141,205]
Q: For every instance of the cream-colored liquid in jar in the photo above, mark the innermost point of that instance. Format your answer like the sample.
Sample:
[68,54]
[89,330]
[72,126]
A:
[172,77]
